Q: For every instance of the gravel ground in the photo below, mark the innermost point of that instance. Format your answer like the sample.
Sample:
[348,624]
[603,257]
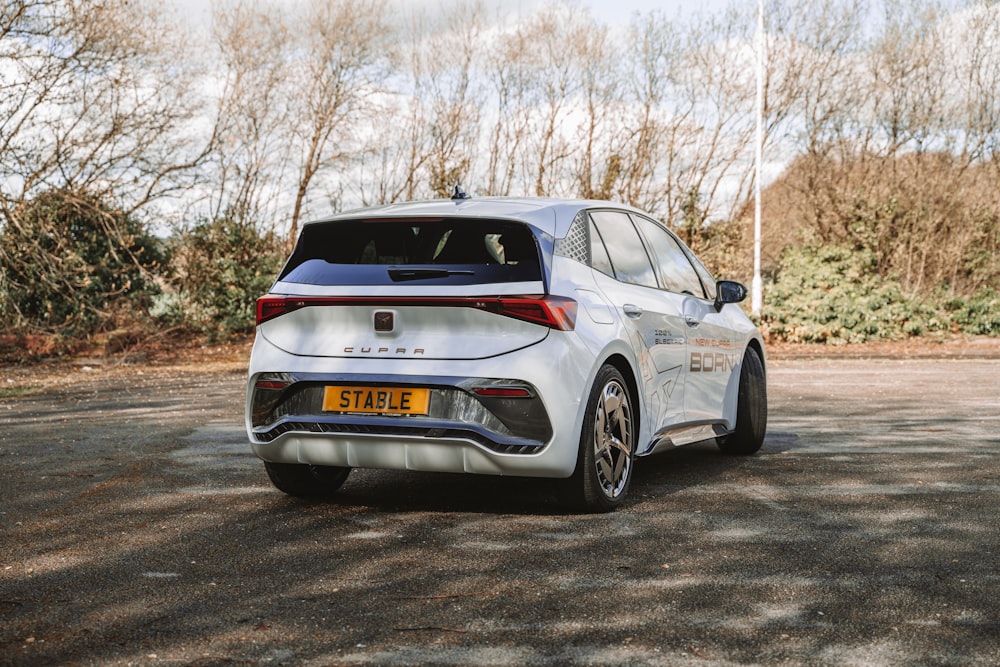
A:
[136,528]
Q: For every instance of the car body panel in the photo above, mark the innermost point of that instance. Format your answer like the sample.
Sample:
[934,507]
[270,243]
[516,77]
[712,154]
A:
[551,366]
[426,332]
[715,351]
[651,323]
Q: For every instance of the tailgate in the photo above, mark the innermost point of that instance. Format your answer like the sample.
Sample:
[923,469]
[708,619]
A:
[416,328]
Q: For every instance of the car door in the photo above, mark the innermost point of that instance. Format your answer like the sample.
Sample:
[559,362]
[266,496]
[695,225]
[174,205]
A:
[652,318]
[713,352]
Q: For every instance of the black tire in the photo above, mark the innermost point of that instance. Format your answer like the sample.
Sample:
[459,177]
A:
[751,411]
[606,456]
[306,481]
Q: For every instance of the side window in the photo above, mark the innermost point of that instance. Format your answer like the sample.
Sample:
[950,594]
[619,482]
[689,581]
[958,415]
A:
[672,264]
[599,254]
[706,277]
[628,254]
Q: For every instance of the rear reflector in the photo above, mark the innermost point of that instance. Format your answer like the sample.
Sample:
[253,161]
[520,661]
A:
[555,312]
[271,384]
[502,392]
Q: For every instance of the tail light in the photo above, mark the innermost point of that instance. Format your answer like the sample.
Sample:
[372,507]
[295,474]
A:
[555,312]
[270,306]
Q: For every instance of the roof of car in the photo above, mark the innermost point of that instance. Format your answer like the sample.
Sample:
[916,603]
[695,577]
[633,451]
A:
[553,216]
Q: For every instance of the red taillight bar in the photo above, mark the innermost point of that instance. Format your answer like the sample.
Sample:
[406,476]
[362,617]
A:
[276,385]
[555,312]
[502,392]
[269,307]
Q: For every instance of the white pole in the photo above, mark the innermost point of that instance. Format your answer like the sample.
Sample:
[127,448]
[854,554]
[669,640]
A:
[757,298]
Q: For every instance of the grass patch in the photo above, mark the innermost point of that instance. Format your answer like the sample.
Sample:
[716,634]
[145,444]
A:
[16,391]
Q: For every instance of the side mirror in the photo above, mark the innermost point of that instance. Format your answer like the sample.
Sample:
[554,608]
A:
[729,291]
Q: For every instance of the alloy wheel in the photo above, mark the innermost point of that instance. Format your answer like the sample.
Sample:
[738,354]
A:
[613,439]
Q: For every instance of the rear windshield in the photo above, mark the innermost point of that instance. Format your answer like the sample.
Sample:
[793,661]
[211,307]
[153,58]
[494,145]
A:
[452,252]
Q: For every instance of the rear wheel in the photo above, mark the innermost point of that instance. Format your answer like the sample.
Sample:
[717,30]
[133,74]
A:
[607,447]
[751,411]
[306,481]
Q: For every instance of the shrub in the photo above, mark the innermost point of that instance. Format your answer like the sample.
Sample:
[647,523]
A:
[221,267]
[978,314]
[74,266]
[833,294]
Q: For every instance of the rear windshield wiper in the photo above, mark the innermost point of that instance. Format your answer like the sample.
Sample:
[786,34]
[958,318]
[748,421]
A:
[399,275]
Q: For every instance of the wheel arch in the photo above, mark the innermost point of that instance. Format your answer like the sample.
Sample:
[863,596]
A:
[625,368]
[730,402]
[750,419]
[758,347]
[603,470]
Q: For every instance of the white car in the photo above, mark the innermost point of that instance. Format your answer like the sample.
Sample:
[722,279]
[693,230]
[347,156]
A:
[531,337]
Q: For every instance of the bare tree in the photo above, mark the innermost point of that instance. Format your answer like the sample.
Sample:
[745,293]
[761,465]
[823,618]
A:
[430,136]
[454,56]
[299,87]
[336,68]
[655,120]
[556,34]
[687,155]
[600,133]
[396,148]
[546,95]
[977,70]
[894,132]
[823,94]
[509,79]
[91,100]
[251,154]
[93,113]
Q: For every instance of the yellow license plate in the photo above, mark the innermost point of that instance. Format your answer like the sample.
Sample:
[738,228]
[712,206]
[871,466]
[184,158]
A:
[377,400]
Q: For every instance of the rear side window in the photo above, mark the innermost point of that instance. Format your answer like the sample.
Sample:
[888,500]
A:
[380,252]
[625,248]
[599,258]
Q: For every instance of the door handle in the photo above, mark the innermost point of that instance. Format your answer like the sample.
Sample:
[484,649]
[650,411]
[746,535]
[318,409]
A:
[631,310]
[692,321]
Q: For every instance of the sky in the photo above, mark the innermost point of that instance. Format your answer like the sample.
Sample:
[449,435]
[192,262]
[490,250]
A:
[615,12]
[611,12]
[620,11]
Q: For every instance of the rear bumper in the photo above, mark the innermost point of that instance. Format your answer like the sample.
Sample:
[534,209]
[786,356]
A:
[536,435]
[396,452]
[285,402]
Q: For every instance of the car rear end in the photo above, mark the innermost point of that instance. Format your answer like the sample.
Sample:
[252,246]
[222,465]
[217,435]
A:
[421,338]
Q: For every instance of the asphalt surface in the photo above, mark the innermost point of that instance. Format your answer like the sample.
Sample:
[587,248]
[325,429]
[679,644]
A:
[136,528]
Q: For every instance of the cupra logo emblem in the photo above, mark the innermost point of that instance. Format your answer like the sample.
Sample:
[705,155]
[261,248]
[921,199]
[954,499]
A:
[384,321]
